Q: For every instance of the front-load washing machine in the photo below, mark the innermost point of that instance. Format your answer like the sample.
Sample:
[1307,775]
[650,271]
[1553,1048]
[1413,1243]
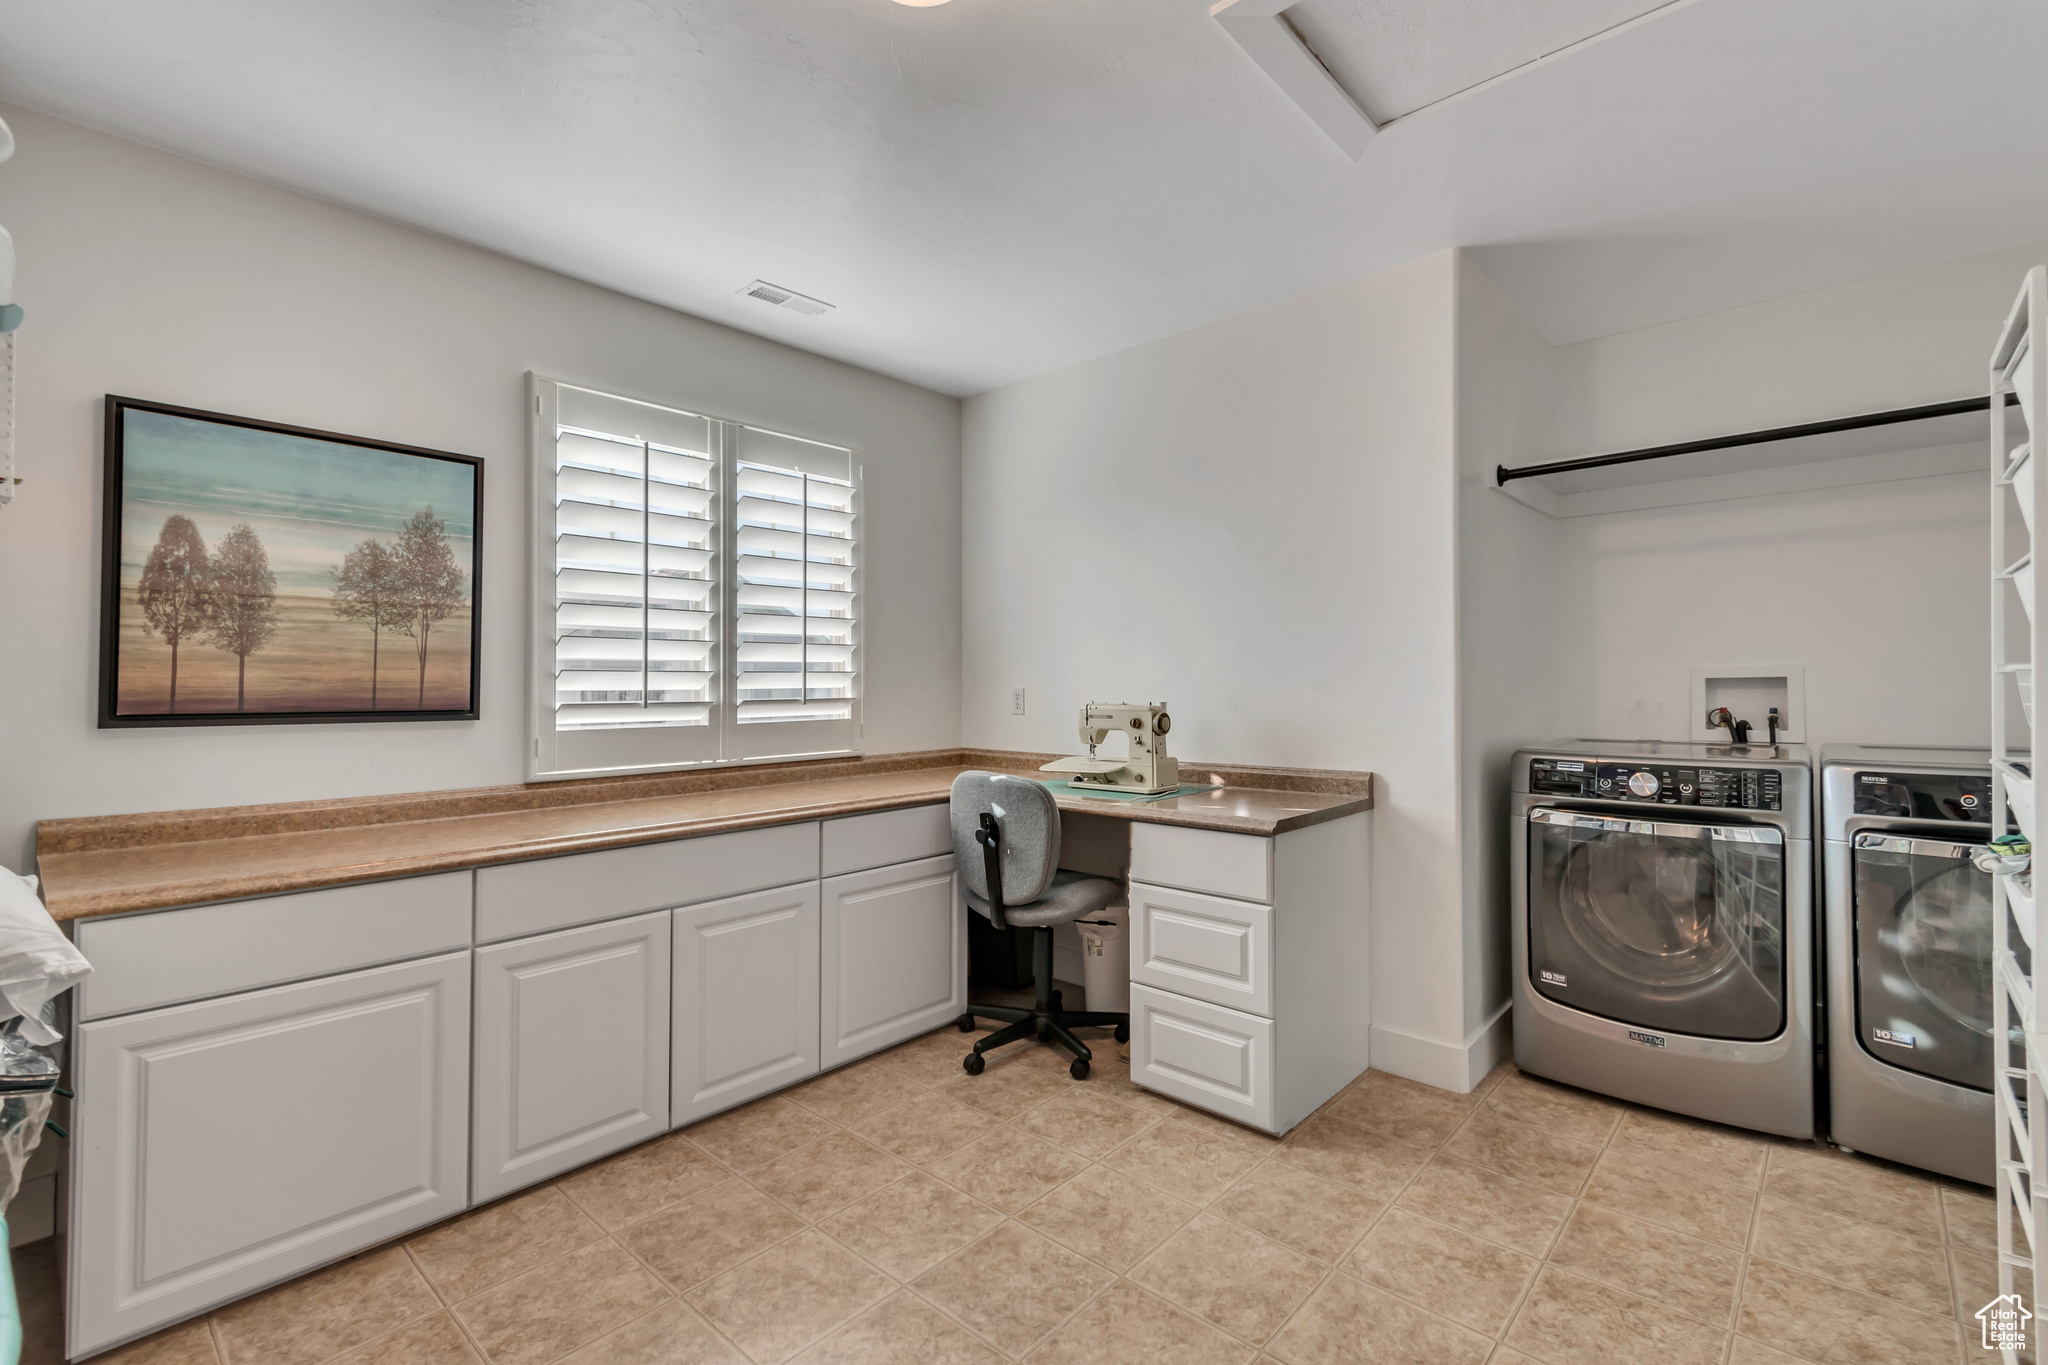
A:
[1907,942]
[1662,899]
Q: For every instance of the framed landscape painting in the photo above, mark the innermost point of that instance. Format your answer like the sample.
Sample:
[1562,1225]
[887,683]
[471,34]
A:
[262,574]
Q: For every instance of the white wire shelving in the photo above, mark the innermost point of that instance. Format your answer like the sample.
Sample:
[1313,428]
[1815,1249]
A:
[2019,640]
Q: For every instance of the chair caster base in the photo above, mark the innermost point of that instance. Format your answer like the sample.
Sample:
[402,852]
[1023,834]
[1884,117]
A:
[1079,1070]
[1123,1033]
[973,1064]
[965,1023]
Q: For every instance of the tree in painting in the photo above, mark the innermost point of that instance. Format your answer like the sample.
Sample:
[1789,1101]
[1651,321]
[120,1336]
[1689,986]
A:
[176,592]
[430,583]
[367,589]
[244,601]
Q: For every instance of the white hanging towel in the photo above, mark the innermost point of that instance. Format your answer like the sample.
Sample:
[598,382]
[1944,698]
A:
[37,963]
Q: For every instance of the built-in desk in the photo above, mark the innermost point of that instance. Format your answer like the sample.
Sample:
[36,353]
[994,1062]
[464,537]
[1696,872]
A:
[313,1027]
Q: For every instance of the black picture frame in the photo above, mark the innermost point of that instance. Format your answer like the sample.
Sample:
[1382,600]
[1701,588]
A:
[113,537]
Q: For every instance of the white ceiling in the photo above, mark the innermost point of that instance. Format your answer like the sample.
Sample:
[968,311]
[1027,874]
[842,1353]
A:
[993,188]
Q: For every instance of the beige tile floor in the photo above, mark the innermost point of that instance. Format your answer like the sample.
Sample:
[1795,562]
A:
[899,1211]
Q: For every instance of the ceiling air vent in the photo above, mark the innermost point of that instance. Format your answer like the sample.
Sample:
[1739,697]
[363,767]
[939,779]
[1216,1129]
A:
[786,298]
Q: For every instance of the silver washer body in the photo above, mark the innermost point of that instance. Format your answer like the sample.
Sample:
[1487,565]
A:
[1874,1107]
[1765,1084]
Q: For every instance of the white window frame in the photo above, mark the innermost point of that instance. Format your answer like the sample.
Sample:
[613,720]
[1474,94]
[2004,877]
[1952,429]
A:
[554,755]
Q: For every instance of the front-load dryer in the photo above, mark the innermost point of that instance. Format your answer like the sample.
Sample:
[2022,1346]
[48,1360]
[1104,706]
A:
[1907,942]
[1662,899]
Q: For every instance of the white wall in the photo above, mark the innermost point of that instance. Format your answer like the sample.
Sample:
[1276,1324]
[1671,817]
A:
[1892,341]
[155,277]
[1253,522]
[1513,626]
[1878,590]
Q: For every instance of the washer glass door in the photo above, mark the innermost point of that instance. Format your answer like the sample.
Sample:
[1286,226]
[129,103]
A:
[1667,925]
[1923,956]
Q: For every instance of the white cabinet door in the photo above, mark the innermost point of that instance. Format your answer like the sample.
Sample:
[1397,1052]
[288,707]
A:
[746,999]
[571,1049]
[226,1145]
[895,956]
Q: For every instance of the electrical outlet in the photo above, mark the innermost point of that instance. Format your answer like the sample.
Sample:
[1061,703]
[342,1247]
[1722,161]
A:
[1016,701]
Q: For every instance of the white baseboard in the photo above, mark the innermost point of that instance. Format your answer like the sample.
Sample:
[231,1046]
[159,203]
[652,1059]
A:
[1457,1067]
[1492,1043]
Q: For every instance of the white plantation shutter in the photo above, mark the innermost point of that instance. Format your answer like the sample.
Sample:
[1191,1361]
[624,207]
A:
[794,648]
[633,582]
[660,535]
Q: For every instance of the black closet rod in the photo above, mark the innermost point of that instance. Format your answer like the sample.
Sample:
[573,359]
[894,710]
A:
[1502,474]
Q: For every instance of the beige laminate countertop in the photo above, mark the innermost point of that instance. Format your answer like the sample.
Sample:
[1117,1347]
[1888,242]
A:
[105,865]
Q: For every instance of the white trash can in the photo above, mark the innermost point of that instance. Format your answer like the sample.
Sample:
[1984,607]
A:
[1106,958]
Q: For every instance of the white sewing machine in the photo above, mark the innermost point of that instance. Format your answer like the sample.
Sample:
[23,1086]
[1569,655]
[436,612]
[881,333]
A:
[1147,771]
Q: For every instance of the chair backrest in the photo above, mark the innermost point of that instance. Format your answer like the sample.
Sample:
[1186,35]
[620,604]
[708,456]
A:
[1030,821]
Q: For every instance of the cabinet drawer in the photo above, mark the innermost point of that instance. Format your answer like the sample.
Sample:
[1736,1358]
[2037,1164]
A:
[1239,865]
[1213,1058]
[143,961]
[559,893]
[1209,947]
[856,843]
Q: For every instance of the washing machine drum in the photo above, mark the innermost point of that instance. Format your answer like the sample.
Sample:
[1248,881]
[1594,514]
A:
[1923,957]
[1666,925]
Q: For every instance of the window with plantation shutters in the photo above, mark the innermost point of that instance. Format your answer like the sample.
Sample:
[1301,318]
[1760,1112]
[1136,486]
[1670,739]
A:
[694,590]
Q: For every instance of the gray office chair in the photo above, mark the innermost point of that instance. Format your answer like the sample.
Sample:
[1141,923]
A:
[1006,839]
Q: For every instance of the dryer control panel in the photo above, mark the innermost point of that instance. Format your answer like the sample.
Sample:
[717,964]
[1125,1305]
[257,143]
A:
[1961,797]
[1658,784]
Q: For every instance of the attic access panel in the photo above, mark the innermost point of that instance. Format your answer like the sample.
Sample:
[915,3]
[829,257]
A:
[1352,66]
[1395,56]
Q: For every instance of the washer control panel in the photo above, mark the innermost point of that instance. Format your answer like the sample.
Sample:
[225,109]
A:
[1730,788]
